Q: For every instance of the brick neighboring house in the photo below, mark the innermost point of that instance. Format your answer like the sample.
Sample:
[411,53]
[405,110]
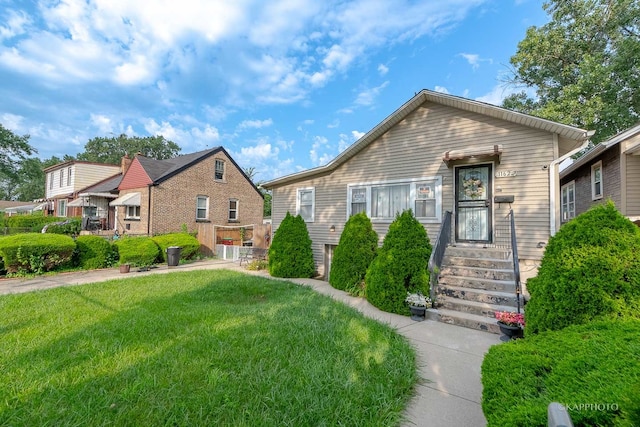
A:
[64,181]
[609,171]
[162,196]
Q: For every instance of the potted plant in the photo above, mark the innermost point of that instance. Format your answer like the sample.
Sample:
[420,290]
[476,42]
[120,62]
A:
[418,304]
[511,324]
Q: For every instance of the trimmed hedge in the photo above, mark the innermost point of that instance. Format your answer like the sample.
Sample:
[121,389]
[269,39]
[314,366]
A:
[353,255]
[35,222]
[189,244]
[137,251]
[400,266]
[594,364]
[71,228]
[590,270]
[94,252]
[35,252]
[290,254]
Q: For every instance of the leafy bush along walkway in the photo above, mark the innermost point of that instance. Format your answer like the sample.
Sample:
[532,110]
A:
[449,357]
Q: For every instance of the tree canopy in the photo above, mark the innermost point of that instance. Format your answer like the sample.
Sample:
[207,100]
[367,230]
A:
[13,148]
[111,150]
[584,66]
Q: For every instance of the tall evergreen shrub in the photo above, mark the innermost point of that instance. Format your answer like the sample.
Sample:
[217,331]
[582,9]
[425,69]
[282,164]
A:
[290,254]
[400,266]
[590,269]
[353,255]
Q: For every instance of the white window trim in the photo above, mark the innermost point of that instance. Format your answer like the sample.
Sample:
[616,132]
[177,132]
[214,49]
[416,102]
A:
[215,170]
[51,179]
[237,209]
[126,212]
[570,213]
[69,177]
[595,166]
[412,197]
[206,208]
[313,202]
[62,207]
[61,178]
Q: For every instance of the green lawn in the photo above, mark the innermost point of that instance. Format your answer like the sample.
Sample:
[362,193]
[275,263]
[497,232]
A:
[197,348]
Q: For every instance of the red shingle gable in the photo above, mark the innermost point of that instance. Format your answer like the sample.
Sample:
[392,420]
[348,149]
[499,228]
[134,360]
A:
[135,177]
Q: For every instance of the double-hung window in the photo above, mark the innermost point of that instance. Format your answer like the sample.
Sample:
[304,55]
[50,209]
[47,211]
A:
[596,181]
[61,177]
[51,181]
[202,208]
[568,201]
[382,201]
[133,212]
[68,176]
[219,172]
[305,203]
[233,210]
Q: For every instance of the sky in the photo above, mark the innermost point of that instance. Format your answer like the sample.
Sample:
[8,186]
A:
[282,85]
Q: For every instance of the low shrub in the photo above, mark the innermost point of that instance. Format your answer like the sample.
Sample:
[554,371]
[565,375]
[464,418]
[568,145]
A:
[290,254]
[70,227]
[400,266]
[94,252]
[594,365]
[137,251]
[353,255]
[590,269]
[34,222]
[189,244]
[35,252]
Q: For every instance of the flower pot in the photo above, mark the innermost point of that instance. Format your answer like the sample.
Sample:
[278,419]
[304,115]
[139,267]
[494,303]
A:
[124,268]
[510,332]
[417,313]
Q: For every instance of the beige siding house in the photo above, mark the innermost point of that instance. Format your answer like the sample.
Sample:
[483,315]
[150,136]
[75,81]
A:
[609,171]
[65,180]
[439,153]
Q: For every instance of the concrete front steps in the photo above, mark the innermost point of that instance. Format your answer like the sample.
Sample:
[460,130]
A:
[474,282]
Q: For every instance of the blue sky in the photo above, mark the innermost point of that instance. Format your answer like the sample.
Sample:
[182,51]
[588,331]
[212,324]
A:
[283,85]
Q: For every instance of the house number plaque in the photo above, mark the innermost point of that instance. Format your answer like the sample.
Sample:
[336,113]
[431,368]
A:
[506,174]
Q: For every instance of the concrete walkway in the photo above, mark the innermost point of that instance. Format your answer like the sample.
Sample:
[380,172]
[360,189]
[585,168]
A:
[449,356]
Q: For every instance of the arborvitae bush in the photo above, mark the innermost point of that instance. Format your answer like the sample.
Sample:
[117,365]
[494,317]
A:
[290,254]
[189,244]
[94,252]
[35,252]
[590,269]
[595,363]
[400,266]
[137,251]
[353,255]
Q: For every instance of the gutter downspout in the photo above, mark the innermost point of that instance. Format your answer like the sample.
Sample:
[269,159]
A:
[554,178]
[149,210]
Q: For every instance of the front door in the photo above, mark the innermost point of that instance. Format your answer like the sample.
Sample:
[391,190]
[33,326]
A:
[473,203]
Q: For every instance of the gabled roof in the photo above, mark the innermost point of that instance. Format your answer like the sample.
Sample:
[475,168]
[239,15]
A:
[161,170]
[601,148]
[420,98]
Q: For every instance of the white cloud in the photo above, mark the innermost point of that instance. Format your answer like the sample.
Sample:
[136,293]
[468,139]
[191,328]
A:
[102,123]
[12,122]
[383,69]
[441,89]
[319,142]
[255,124]
[357,134]
[368,97]
[499,93]
[474,59]
[16,23]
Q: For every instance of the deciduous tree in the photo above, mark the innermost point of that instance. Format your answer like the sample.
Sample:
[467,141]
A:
[584,66]
[111,150]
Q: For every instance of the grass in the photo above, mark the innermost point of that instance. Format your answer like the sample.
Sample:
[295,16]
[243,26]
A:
[197,348]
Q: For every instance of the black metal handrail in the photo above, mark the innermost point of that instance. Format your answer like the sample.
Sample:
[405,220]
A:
[514,253]
[437,253]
